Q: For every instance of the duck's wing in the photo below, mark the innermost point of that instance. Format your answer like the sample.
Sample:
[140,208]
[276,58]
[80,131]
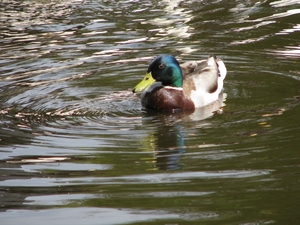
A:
[189,68]
[204,76]
[194,67]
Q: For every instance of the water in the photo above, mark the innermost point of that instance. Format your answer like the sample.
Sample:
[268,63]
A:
[76,147]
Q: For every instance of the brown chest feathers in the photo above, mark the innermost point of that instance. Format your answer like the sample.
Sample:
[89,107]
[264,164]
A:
[166,98]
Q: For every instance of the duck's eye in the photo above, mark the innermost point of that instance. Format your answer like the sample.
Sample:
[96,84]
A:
[161,66]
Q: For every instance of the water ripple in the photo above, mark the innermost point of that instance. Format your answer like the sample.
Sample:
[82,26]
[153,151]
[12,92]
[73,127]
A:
[74,136]
[165,178]
[98,216]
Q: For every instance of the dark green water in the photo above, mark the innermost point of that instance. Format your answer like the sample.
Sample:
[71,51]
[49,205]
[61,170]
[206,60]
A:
[76,147]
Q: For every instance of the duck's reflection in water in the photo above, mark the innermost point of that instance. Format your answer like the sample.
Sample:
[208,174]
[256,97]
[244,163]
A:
[167,141]
[169,147]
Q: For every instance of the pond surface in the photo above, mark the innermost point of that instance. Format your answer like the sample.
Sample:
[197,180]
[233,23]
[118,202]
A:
[77,148]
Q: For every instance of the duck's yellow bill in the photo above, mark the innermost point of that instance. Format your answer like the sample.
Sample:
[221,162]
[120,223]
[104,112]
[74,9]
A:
[146,82]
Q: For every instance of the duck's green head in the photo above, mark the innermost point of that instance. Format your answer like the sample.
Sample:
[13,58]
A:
[164,68]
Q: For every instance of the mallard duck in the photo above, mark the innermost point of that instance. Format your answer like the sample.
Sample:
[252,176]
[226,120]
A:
[169,86]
